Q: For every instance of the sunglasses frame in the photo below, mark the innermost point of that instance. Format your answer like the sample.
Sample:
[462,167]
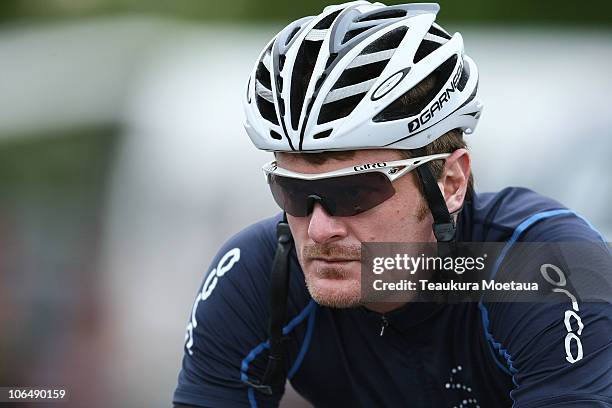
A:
[393,169]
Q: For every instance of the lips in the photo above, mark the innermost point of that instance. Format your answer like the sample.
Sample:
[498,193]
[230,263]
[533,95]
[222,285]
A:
[333,269]
[335,260]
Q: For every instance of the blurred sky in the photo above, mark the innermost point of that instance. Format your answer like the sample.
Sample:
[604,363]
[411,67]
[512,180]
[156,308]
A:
[124,165]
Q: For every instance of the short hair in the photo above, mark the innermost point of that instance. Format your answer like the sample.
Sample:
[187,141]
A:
[447,143]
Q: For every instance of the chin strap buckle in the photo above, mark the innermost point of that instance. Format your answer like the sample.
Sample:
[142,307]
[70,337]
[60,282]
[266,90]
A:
[444,232]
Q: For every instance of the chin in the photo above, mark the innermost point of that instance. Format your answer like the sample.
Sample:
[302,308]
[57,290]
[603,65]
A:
[336,293]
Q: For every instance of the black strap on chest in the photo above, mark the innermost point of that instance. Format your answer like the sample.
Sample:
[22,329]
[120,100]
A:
[279,287]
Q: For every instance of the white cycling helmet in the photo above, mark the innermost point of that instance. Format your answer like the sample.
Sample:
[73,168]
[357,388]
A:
[335,81]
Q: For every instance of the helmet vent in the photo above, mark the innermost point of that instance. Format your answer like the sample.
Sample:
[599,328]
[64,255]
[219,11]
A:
[352,76]
[293,33]
[319,83]
[389,41]
[397,13]
[263,92]
[302,71]
[248,89]
[266,109]
[327,21]
[263,89]
[281,106]
[413,101]
[439,32]
[263,75]
[339,109]
[275,135]
[331,59]
[426,48]
[354,33]
[281,62]
[322,135]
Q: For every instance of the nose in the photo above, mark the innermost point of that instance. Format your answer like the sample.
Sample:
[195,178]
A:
[323,228]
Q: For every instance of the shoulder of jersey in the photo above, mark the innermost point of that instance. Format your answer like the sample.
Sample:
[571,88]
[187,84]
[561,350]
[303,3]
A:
[537,217]
[257,237]
[508,208]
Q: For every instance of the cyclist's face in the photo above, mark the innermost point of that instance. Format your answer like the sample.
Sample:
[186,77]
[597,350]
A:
[328,247]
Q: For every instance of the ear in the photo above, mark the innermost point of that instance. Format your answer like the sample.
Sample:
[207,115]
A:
[454,180]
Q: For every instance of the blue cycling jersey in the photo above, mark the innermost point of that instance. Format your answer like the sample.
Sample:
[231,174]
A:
[431,355]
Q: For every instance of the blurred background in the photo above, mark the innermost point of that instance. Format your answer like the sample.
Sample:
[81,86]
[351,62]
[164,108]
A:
[116,117]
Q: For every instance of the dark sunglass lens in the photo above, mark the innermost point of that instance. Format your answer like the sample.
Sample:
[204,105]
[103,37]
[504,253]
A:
[340,196]
[289,194]
[352,195]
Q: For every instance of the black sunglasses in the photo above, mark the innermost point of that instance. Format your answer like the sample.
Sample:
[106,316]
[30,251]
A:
[343,193]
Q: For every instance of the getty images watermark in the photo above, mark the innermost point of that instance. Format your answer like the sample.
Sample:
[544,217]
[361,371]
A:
[523,272]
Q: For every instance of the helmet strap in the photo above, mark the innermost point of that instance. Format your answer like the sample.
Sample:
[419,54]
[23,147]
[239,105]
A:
[444,225]
[279,287]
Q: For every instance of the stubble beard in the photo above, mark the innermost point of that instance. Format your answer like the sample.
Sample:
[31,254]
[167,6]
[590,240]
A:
[345,295]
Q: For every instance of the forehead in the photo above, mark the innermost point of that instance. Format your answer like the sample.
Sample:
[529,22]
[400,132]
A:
[324,162]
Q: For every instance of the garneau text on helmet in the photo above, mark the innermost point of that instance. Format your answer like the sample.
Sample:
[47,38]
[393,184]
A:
[426,116]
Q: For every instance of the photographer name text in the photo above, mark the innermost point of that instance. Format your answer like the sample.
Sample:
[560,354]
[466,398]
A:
[458,286]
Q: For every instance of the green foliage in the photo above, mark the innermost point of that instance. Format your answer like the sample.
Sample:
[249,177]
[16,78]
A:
[595,12]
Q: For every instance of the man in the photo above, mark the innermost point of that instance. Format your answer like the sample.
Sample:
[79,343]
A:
[351,102]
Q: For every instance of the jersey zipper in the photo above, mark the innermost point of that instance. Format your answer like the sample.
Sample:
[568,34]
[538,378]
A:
[384,325]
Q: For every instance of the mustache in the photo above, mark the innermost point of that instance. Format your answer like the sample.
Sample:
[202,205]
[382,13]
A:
[336,252]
